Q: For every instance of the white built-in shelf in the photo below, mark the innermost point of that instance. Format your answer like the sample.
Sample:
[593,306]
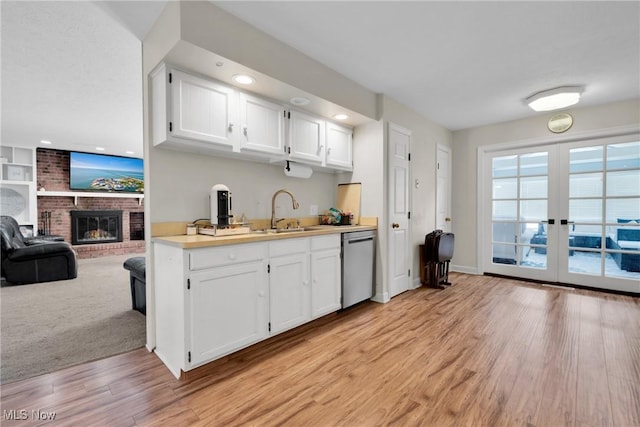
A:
[76,194]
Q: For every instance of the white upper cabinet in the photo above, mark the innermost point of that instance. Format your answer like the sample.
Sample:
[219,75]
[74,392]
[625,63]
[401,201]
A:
[203,110]
[339,147]
[262,125]
[306,138]
[192,112]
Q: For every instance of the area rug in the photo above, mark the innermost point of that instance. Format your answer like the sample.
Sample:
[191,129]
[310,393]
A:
[49,326]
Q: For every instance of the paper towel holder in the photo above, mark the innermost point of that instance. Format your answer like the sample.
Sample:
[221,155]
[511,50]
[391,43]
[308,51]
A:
[297,170]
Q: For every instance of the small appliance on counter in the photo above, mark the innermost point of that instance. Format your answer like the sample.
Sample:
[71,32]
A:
[220,202]
[221,216]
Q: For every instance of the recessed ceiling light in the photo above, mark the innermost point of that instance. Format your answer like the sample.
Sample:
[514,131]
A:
[299,101]
[100,148]
[45,142]
[554,99]
[243,79]
[130,152]
[340,116]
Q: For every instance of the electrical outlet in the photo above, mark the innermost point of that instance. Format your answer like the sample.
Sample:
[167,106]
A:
[313,210]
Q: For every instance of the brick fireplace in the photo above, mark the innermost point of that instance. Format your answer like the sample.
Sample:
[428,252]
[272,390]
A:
[53,175]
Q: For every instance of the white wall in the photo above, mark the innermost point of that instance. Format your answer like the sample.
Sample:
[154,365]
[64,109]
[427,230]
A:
[368,164]
[181,183]
[600,120]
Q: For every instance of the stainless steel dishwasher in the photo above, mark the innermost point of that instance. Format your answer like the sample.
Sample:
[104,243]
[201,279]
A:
[358,266]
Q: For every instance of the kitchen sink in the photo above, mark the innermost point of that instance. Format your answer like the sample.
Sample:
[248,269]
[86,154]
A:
[278,231]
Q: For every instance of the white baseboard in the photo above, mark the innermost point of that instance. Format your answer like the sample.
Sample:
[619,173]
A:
[382,298]
[416,283]
[464,269]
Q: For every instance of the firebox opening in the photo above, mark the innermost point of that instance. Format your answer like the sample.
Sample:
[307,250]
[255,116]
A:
[89,227]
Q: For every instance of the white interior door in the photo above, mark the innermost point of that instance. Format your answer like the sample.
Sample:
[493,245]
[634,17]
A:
[443,189]
[398,173]
[567,213]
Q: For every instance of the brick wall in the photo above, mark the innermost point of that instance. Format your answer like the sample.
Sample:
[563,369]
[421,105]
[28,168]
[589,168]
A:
[53,175]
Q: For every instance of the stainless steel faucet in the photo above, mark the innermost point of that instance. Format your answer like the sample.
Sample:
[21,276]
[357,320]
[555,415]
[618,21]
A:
[274,220]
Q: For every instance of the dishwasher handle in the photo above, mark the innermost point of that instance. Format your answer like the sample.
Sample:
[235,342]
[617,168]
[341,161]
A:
[360,240]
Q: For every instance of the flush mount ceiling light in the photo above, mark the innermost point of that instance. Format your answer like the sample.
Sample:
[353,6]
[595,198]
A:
[340,116]
[130,152]
[299,101]
[45,142]
[554,99]
[243,79]
[99,148]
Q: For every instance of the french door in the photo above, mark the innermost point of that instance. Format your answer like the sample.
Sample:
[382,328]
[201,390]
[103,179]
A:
[567,213]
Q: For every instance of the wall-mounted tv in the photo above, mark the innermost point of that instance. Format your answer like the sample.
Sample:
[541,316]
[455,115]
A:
[101,172]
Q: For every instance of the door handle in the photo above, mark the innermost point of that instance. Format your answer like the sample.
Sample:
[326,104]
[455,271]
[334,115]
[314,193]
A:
[447,219]
[395,225]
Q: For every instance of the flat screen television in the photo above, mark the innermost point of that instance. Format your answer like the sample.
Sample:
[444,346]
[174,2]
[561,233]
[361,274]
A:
[102,172]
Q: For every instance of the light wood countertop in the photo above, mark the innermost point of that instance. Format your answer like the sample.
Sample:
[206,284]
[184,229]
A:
[202,241]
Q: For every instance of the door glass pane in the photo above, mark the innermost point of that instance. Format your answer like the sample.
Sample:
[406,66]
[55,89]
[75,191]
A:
[534,257]
[505,166]
[505,210]
[622,209]
[504,232]
[504,254]
[534,164]
[623,183]
[586,159]
[585,262]
[623,156]
[585,210]
[533,210]
[585,185]
[624,239]
[533,188]
[505,188]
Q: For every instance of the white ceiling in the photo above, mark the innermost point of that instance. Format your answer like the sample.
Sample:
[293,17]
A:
[71,70]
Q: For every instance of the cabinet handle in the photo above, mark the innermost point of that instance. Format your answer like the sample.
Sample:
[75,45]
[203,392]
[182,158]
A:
[320,148]
[328,150]
[230,127]
[244,130]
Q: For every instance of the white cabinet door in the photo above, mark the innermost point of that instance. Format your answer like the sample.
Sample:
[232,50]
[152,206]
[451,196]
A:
[326,290]
[262,125]
[203,110]
[289,292]
[228,309]
[306,138]
[339,147]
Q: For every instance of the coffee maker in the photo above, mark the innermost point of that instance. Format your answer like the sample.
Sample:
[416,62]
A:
[220,201]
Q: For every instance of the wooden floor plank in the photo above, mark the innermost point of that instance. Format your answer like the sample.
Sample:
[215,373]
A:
[485,352]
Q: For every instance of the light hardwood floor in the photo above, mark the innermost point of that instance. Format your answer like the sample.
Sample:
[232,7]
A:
[484,352]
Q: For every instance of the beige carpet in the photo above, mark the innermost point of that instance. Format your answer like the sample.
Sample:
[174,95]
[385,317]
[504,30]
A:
[49,326]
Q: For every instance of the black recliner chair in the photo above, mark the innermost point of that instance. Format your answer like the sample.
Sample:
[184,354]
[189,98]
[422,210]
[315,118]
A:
[31,260]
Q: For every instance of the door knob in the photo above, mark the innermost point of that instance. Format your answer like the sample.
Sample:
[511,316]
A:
[395,225]
[447,219]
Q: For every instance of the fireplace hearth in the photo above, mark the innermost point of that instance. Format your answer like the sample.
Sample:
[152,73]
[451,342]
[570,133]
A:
[90,227]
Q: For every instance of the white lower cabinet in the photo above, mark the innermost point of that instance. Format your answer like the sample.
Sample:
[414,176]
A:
[228,309]
[326,272]
[289,293]
[213,301]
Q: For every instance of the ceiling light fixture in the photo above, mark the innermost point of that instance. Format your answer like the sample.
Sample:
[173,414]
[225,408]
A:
[340,116]
[45,142]
[99,148]
[299,101]
[130,152]
[243,79]
[554,99]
